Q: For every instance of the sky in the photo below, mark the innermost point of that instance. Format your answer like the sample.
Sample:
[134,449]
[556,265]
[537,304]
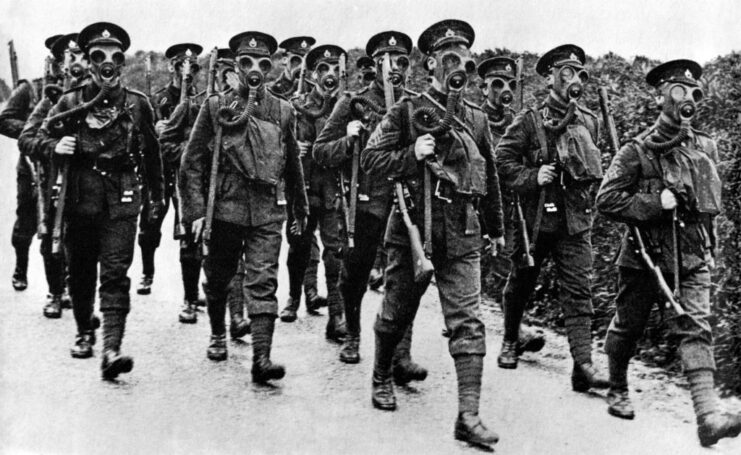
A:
[660,29]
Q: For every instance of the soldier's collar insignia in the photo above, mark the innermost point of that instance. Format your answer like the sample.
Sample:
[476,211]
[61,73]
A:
[508,67]
[327,53]
[106,34]
[252,43]
[688,74]
[449,33]
[392,41]
[304,44]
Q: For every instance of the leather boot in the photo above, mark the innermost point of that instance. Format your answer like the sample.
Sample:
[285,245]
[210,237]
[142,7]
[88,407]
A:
[53,307]
[263,369]
[289,312]
[382,395]
[239,326]
[404,369]
[83,347]
[336,328]
[619,405]
[716,426]
[145,285]
[508,356]
[114,364]
[470,428]
[66,299]
[712,425]
[585,376]
[20,281]
[217,349]
[349,353]
[188,313]
[314,301]
[619,352]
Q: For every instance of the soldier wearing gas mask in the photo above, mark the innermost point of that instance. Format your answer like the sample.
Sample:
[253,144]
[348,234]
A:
[101,135]
[183,68]
[13,117]
[294,50]
[440,133]
[499,83]
[549,159]
[323,191]
[344,134]
[259,175]
[665,183]
[74,67]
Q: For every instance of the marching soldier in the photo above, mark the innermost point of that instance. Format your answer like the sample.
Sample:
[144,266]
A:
[101,133]
[13,117]
[499,82]
[165,101]
[259,173]
[322,189]
[664,183]
[334,148]
[74,66]
[549,159]
[454,160]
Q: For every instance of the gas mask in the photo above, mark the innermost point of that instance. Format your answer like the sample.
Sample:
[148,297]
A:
[75,64]
[568,82]
[679,101]
[499,91]
[107,62]
[327,76]
[398,71]
[451,68]
[185,67]
[252,70]
[292,66]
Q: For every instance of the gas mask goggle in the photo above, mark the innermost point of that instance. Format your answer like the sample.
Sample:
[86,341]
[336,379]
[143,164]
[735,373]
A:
[252,70]
[327,75]
[568,81]
[398,66]
[680,100]
[500,90]
[107,63]
[453,66]
[75,63]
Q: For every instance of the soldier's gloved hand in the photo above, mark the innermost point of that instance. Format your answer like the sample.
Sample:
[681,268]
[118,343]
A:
[233,80]
[298,226]
[303,148]
[497,245]
[66,146]
[546,174]
[354,127]
[197,228]
[668,200]
[156,209]
[424,147]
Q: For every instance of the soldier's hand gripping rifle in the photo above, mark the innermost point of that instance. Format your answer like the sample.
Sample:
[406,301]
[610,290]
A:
[421,263]
[527,256]
[13,63]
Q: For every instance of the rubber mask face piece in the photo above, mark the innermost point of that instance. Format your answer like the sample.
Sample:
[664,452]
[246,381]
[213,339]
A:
[568,82]
[107,62]
[252,70]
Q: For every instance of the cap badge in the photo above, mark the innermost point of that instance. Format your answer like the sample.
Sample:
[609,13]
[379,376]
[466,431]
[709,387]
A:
[449,33]
[252,43]
[304,44]
[392,41]
[188,52]
[72,44]
[573,57]
[106,34]
[508,68]
[327,54]
[688,74]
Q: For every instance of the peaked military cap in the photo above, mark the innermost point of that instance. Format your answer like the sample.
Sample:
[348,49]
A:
[445,32]
[225,55]
[325,53]
[103,33]
[497,66]
[558,56]
[183,50]
[365,62]
[300,45]
[685,71]
[255,43]
[390,41]
[49,42]
[62,44]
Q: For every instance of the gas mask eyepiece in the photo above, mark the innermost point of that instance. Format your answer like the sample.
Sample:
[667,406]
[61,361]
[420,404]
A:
[685,98]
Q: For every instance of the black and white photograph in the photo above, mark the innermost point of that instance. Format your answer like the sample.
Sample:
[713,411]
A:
[387,227]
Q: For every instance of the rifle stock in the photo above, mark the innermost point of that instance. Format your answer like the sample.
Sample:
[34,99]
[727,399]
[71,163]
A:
[211,201]
[604,105]
[527,257]
[56,236]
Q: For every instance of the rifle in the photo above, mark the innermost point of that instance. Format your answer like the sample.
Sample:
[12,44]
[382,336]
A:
[211,82]
[13,63]
[421,263]
[347,211]
[604,105]
[148,74]
[527,257]
[61,189]
[520,83]
[179,229]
